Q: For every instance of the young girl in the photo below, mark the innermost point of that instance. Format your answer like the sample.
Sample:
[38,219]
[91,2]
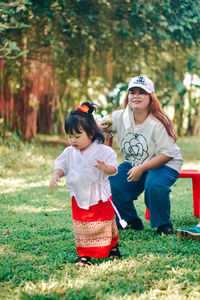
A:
[152,159]
[87,163]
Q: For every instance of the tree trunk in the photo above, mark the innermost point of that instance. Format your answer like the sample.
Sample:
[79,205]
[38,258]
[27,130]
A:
[33,106]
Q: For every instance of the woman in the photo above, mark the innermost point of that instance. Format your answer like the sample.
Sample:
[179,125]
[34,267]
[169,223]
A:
[152,159]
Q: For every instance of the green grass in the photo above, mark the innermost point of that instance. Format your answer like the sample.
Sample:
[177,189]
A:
[37,247]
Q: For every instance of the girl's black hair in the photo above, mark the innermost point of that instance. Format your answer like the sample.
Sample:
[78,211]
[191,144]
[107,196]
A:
[82,118]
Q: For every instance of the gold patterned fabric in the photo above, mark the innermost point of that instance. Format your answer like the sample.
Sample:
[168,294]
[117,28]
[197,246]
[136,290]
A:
[95,234]
[95,229]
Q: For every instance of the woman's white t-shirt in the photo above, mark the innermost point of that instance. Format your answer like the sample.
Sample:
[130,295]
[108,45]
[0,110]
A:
[139,143]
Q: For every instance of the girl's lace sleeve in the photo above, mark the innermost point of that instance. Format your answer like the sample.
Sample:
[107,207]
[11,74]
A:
[61,162]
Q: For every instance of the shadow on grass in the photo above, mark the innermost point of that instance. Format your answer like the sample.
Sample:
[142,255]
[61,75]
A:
[136,274]
[36,234]
[37,243]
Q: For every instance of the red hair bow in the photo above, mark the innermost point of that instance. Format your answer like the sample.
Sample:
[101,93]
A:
[83,108]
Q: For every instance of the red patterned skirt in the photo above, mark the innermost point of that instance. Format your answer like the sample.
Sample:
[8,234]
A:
[95,229]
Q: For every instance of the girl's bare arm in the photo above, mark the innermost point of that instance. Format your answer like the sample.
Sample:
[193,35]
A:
[107,169]
[57,174]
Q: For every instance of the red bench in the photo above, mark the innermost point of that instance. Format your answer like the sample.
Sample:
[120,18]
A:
[195,175]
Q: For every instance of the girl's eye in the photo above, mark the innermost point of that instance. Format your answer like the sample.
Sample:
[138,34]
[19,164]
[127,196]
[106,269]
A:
[77,136]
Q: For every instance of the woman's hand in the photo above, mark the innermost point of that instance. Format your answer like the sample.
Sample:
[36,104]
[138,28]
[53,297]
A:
[104,125]
[54,181]
[154,163]
[135,173]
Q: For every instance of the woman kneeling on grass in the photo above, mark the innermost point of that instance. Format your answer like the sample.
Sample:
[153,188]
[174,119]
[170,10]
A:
[87,163]
[153,161]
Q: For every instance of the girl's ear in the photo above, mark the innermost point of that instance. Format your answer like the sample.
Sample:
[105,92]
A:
[92,134]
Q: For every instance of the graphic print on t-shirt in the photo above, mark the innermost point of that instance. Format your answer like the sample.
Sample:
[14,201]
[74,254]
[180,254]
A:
[134,148]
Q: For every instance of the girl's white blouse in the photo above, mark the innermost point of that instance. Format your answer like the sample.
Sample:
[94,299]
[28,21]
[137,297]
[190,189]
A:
[86,183]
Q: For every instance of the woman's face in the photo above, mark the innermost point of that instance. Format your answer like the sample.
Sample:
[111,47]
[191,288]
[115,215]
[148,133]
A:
[138,99]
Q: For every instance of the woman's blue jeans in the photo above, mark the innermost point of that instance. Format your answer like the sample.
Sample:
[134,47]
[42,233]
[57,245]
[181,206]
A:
[156,186]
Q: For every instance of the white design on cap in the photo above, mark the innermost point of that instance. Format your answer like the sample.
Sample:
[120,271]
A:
[143,82]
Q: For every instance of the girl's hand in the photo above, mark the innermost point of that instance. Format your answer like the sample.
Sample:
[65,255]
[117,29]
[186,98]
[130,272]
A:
[54,182]
[101,165]
[134,173]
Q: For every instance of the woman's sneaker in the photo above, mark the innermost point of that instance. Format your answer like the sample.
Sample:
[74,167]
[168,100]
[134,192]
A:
[165,229]
[189,233]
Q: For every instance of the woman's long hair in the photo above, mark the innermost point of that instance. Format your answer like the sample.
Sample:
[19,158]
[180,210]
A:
[156,110]
[81,118]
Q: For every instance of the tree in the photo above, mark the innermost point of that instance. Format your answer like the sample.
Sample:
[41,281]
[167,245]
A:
[94,44]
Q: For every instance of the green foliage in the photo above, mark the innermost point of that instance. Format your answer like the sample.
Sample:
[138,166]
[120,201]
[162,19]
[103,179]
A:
[37,244]
[78,30]
[96,45]
[12,23]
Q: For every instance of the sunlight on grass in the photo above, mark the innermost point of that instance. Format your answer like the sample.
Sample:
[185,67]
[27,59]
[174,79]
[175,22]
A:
[3,250]
[37,249]
[86,276]
[128,270]
[191,166]
[29,208]
[18,158]
[17,184]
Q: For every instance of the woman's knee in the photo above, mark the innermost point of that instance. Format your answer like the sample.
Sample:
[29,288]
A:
[163,176]
[118,184]
[157,187]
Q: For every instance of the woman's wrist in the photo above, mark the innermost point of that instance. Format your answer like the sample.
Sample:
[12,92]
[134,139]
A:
[143,168]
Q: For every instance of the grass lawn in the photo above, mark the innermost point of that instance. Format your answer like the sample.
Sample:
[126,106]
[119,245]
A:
[37,247]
